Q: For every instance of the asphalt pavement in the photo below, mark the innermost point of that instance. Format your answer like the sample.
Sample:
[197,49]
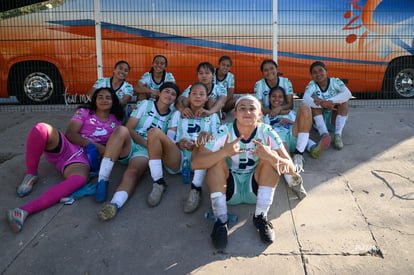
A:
[358,217]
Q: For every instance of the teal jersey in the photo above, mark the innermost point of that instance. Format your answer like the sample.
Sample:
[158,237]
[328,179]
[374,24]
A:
[275,122]
[246,162]
[227,82]
[124,89]
[192,127]
[262,89]
[149,117]
[148,80]
[335,87]
[215,93]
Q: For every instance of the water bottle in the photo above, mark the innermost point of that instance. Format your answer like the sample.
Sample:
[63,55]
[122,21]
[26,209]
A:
[186,171]
[93,157]
[232,218]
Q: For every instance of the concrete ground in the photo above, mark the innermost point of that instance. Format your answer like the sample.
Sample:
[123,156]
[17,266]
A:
[358,217]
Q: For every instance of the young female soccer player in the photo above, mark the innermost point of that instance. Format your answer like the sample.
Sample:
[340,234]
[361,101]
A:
[244,161]
[270,80]
[328,97]
[92,124]
[149,84]
[180,141]
[223,76]
[128,145]
[217,94]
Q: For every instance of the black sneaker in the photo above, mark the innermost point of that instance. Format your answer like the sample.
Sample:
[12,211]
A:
[219,235]
[267,234]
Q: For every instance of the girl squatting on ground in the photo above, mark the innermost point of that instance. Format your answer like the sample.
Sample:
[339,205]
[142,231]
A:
[328,97]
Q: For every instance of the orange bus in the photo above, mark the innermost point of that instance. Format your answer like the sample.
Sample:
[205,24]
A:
[48,50]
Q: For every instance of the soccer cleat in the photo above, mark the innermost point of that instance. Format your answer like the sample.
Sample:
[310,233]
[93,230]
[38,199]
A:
[267,234]
[219,234]
[27,185]
[101,191]
[16,218]
[158,188]
[193,201]
[108,212]
[298,161]
[323,144]
[338,144]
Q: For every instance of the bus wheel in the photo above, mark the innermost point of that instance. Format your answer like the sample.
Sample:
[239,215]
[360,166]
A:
[37,83]
[399,80]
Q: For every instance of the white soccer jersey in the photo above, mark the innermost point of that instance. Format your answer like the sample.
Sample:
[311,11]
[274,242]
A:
[262,89]
[217,91]
[124,89]
[148,80]
[244,162]
[149,117]
[192,127]
[227,82]
[335,87]
[275,122]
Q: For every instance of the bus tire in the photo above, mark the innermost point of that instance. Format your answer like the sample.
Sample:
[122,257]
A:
[399,79]
[36,82]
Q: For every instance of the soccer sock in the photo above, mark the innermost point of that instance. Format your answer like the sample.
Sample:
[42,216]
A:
[106,168]
[36,144]
[340,124]
[264,200]
[199,176]
[119,198]
[155,166]
[302,141]
[287,178]
[320,124]
[218,203]
[55,193]
[309,145]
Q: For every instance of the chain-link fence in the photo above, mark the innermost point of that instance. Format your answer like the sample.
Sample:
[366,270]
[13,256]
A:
[53,52]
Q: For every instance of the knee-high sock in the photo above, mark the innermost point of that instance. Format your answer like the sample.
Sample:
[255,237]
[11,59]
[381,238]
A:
[264,200]
[54,194]
[35,146]
[320,124]
[218,203]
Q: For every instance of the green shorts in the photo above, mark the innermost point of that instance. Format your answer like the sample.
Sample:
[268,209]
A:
[290,140]
[327,114]
[137,150]
[184,153]
[241,188]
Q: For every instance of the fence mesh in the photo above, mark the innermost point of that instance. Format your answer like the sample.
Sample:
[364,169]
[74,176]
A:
[49,49]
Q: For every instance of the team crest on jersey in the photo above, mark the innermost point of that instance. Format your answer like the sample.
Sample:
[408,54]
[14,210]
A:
[112,124]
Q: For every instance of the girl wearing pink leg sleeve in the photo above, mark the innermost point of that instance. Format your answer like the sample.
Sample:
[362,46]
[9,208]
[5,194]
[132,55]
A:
[91,124]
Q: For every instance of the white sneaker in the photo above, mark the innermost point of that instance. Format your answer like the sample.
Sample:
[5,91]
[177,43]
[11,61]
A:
[298,160]
[193,201]
[154,198]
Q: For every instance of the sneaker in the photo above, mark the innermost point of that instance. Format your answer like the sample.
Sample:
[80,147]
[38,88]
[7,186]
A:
[16,218]
[101,190]
[267,234]
[323,144]
[219,235]
[27,185]
[154,198]
[108,212]
[338,144]
[193,201]
[298,161]
[299,191]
